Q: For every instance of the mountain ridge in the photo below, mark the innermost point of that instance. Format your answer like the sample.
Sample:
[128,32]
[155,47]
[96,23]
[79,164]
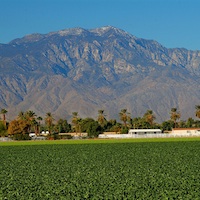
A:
[104,68]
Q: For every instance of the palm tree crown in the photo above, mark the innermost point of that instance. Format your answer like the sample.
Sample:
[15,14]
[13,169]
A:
[3,112]
[149,117]
[175,115]
[124,116]
[101,118]
[197,107]
[49,120]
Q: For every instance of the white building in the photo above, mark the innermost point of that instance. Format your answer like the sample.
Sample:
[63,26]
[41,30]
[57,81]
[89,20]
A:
[186,131]
[135,133]
[155,133]
[144,131]
[32,135]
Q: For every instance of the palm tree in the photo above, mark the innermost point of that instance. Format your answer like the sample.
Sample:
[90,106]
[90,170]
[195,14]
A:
[149,117]
[39,123]
[175,115]
[29,117]
[197,107]
[76,121]
[34,124]
[101,118]
[49,121]
[21,115]
[124,117]
[3,112]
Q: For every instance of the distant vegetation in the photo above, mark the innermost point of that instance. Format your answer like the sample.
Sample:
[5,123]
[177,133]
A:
[28,122]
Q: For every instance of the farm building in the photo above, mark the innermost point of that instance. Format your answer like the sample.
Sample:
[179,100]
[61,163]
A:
[186,131]
[32,135]
[144,131]
[135,133]
[73,134]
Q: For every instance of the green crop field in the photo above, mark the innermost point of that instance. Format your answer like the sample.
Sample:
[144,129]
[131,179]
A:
[101,169]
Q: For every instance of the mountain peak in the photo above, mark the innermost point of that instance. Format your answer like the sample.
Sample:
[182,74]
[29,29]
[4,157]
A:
[27,38]
[70,31]
[104,30]
[110,29]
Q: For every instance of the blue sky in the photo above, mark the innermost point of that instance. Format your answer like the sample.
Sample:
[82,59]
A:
[173,23]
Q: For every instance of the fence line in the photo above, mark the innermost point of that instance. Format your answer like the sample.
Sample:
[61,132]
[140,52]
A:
[158,135]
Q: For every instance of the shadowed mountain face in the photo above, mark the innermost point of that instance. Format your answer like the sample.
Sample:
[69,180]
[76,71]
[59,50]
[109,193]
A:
[104,68]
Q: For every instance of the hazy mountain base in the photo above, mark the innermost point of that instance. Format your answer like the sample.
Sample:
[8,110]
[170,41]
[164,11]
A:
[106,68]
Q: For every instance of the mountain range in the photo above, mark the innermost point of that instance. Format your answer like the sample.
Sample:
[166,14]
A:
[104,68]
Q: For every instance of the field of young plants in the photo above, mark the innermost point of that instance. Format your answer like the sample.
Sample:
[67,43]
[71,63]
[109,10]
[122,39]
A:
[117,169]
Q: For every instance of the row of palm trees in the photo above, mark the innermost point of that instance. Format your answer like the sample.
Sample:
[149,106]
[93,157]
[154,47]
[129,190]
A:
[147,121]
[27,121]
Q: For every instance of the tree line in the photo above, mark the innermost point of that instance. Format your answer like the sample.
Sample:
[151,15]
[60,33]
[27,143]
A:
[27,122]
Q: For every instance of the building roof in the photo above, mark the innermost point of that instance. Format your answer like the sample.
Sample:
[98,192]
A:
[144,130]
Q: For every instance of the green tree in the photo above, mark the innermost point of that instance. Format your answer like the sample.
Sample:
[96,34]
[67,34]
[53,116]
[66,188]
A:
[62,126]
[49,121]
[84,124]
[140,122]
[18,129]
[124,116]
[76,122]
[174,116]
[35,125]
[197,123]
[3,129]
[190,122]
[29,117]
[124,130]
[167,125]
[21,115]
[116,128]
[182,124]
[3,112]
[94,129]
[39,119]
[197,107]
[149,117]
[136,122]
[112,125]
[101,118]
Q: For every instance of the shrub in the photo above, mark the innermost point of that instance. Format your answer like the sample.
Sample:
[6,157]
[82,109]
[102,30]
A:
[21,137]
[94,129]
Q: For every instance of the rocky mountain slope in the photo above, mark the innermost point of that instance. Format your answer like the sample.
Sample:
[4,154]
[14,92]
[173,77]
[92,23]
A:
[104,68]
